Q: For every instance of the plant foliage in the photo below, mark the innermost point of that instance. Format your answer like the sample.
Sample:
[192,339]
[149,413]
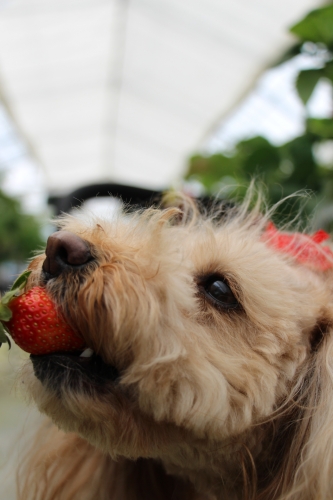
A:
[293,166]
[19,232]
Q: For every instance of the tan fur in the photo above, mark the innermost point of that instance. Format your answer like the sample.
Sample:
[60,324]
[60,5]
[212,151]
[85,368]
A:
[211,404]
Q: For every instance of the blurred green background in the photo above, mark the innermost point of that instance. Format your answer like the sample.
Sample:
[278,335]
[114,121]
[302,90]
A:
[20,237]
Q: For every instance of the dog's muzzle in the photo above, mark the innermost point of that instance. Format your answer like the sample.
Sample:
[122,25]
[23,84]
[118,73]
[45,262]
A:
[75,372]
[65,250]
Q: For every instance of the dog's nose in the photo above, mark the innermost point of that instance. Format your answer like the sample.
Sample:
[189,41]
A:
[64,250]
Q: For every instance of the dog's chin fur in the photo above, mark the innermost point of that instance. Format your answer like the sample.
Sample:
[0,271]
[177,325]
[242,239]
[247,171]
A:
[190,399]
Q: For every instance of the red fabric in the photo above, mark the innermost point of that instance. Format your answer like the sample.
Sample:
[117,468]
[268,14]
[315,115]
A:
[306,249]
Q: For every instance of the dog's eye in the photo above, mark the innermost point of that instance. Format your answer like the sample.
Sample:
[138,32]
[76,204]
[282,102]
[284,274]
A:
[219,292]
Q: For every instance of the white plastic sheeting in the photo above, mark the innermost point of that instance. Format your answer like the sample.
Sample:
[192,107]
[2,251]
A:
[125,90]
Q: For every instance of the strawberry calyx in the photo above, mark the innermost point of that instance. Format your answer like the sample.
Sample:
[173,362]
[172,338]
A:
[5,312]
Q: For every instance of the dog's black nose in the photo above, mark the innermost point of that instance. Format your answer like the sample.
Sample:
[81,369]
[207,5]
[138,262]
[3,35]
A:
[64,250]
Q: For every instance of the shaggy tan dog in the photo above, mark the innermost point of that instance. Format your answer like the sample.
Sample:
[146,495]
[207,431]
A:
[211,376]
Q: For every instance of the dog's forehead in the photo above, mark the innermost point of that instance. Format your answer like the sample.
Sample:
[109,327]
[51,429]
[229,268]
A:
[139,232]
[235,251]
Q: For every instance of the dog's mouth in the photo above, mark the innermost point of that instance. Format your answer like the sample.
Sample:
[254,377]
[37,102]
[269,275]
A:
[84,371]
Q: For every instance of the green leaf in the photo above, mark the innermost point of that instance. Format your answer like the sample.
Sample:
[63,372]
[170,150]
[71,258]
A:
[306,83]
[3,336]
[5,312]
[317,26]
[20,282]
[328,71]
[8,297]
[211,169]
[17,286]
[321,126]
[258,156]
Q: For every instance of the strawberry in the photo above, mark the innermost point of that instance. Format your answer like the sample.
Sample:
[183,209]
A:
[35,325]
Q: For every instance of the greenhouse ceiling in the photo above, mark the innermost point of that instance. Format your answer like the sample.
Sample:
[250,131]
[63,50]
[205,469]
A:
[124,90]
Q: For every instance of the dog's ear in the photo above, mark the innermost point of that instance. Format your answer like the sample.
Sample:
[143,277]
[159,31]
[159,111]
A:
[307,439]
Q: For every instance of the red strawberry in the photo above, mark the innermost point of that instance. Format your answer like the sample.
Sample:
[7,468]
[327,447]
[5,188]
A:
[306,249]
[37,327]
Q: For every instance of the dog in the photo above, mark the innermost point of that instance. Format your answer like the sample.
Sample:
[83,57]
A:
[209,369]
